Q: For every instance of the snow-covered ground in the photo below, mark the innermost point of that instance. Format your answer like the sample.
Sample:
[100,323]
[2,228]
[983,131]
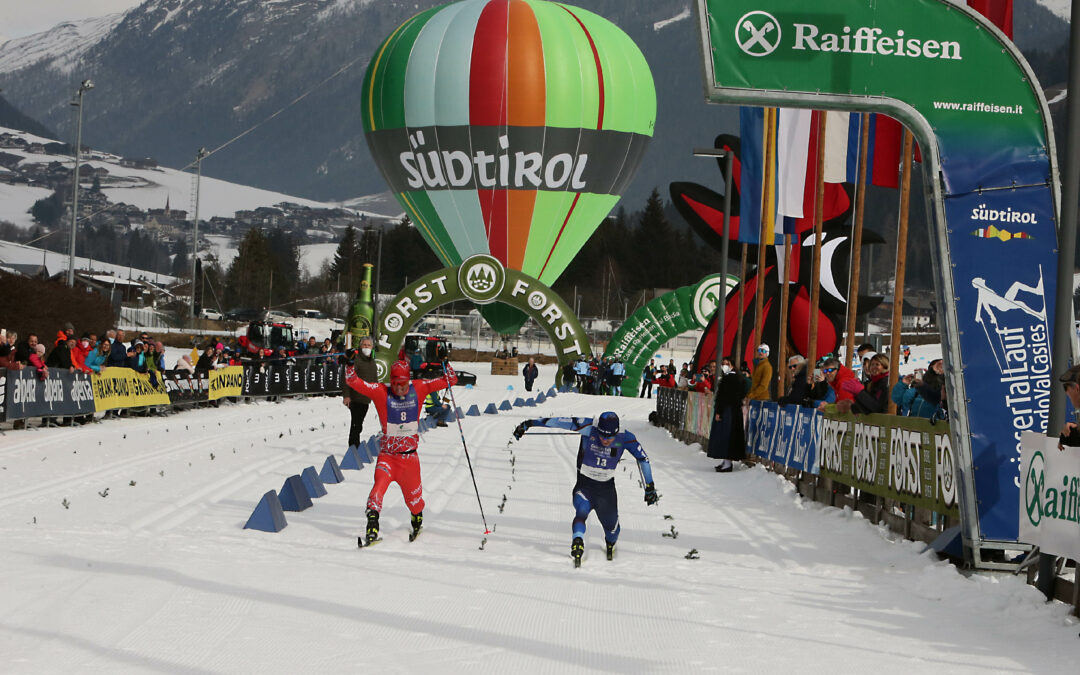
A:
[122,550]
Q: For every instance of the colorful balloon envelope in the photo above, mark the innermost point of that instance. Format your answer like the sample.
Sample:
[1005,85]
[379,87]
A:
[508,127]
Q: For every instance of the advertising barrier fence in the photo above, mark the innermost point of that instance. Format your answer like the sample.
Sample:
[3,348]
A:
[905,459]
[1049,495]
[64,394]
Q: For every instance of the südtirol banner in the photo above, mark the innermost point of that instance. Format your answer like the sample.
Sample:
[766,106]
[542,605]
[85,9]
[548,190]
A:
[124,388]
[925,62]
[1050,495]
[225,382]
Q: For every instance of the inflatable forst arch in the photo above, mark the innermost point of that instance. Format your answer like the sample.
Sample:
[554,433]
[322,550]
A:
[483,280]
[992,182]
[661,319]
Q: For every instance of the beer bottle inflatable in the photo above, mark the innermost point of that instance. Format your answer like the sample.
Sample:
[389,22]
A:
[362,312]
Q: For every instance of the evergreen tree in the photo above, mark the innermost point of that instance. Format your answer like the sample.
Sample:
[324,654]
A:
[342,265]
[181,264]
[248,278]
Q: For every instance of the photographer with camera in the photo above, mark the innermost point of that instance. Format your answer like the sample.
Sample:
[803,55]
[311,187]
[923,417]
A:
[363,362]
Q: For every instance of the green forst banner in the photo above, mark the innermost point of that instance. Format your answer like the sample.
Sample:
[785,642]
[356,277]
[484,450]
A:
[483,280]
[902,458]
[661,319]
[983,126]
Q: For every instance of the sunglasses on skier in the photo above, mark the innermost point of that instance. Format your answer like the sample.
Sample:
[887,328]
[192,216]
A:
[828,370]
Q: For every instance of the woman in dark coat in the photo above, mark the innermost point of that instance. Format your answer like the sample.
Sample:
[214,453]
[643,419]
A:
[727,441]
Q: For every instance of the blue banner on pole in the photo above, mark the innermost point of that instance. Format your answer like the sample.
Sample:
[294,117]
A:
[1004,274]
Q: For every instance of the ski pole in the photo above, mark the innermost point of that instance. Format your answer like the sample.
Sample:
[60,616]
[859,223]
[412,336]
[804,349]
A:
[464,445]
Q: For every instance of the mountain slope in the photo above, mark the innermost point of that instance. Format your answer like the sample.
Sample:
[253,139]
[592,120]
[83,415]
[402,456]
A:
[174,75]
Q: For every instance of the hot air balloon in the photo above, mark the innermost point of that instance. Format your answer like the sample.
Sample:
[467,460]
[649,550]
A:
[508,127]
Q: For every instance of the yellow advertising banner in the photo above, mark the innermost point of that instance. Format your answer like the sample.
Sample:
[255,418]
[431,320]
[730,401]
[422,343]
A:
[225,382]
[124,388]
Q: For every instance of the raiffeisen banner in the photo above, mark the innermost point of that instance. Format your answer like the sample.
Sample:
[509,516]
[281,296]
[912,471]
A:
[980,119]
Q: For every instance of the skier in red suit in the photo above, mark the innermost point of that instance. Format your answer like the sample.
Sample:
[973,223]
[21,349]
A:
[399,405]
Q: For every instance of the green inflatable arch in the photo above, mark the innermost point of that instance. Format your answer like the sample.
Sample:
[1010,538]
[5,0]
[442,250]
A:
[661,319]
[483,280]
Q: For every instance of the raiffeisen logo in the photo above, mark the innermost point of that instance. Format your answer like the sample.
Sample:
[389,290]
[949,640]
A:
[758,34]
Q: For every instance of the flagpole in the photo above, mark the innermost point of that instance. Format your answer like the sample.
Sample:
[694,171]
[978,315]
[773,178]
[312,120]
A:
[767,200]
[856,240]
[819,223]
[901,265]
[736,352]
[785,294]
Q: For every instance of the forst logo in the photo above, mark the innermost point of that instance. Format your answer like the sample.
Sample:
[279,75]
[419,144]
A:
[1033,488]
[481,278]
[758,33]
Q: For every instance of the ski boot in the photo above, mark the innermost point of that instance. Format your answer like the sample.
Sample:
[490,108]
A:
[372,533]
[577,549]
[610,549]
[417,521]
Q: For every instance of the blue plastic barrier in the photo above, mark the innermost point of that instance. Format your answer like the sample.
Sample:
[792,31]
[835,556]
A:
[331,472]
[505,405]
[312,484]
[293,495]
[491,409]
[268,515]
[474,411]
[351,459]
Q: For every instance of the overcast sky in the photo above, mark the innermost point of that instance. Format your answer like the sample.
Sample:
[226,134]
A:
[23,17]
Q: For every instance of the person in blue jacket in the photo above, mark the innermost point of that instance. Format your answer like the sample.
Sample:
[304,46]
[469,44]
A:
[599,451]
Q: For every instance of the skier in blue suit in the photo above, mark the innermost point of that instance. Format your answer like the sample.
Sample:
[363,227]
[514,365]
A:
[601,447]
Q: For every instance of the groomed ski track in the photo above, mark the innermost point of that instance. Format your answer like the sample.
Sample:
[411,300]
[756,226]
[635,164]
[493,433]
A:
[158,576]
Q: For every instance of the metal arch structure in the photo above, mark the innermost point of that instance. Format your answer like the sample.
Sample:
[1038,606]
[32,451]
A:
[992,188]
[483,280]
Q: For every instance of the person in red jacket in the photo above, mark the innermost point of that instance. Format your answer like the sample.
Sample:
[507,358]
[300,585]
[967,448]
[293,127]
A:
[843,381]
[666,378]
[400,405]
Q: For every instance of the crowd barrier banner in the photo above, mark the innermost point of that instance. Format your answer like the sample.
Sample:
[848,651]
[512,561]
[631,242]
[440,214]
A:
[285,379]
[699,413]
[124,388]
[753,428]
[60,394]
[225,382]
[803,450]
[184,387]
[902,458]
[1049,495]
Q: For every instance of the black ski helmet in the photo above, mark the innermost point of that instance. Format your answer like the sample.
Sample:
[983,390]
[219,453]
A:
[607,424]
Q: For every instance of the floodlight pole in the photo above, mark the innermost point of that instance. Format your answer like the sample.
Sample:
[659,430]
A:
[86,86]
[721,301]
[199,156]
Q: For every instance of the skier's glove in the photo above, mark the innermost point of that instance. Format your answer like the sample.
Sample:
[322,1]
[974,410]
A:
[520,430]
[650,494]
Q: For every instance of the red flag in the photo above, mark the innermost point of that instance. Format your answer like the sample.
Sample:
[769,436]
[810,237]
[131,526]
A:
[1000,13]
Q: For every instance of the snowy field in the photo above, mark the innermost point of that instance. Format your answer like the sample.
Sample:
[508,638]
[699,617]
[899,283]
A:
[123,552]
